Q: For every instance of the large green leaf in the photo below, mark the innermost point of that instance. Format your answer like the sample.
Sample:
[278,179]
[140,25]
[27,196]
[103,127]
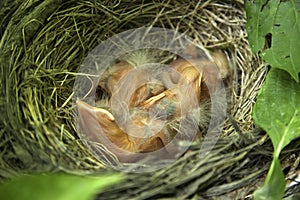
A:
[277,111]
[277,21]
[55,186]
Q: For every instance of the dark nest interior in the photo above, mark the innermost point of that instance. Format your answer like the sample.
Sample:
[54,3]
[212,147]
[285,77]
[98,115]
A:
[43,44]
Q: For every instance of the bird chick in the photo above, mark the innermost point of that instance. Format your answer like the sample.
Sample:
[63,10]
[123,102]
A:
[186,89]
[99,125]
[153,105]
[125,80]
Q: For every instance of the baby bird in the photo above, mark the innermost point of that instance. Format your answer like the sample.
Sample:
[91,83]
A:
[190,86]
[122,78]
[99,125]
[155,108]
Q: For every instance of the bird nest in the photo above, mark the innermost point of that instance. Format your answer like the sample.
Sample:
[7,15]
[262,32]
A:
[44,43]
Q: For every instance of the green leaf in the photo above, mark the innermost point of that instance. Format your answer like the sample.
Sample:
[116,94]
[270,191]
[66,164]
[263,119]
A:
[274,185]
[55,186]
[260,15]
[279,20]
[277,111]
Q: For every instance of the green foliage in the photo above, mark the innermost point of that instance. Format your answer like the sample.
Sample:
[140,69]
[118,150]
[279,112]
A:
[277,111]
[55,186]
[274,186]
[273,29]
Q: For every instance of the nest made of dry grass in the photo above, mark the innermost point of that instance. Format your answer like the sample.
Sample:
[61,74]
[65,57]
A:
[44,42]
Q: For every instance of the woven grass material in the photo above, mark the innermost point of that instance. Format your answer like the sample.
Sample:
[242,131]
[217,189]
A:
[43,44]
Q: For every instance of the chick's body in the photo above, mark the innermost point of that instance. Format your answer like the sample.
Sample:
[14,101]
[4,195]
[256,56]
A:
[102,127]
